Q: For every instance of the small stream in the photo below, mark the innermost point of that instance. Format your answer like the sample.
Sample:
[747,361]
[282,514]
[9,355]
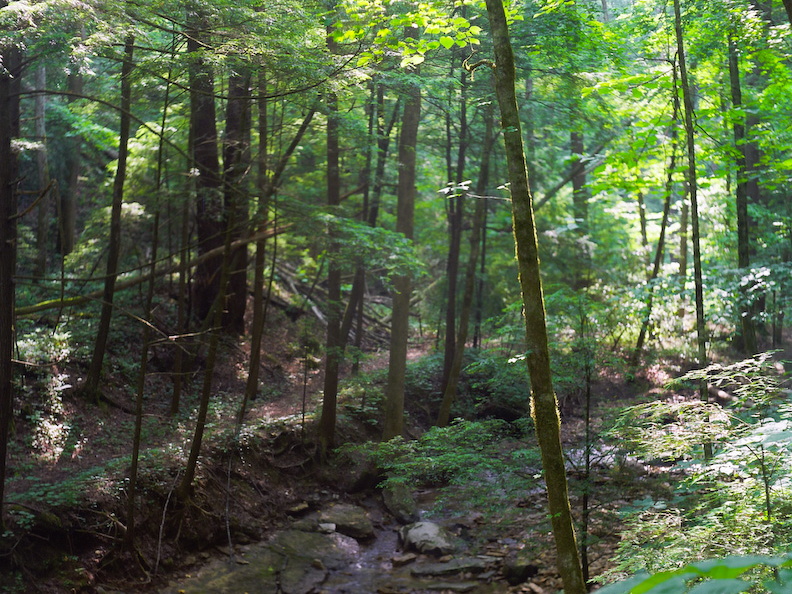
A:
[317,562]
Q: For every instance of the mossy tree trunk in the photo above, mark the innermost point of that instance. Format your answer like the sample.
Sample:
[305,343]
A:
[544,405]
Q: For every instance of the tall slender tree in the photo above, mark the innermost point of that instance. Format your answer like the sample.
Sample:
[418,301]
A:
[692,182]
[93,377]
[402,284]
[741,198]
[333,345]
[544,404]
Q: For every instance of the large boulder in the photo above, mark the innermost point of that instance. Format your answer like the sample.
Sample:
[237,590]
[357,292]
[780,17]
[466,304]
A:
[428,537]
[399,501]
[348,519]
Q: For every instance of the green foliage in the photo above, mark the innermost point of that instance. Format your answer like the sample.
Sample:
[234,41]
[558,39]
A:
[739,500]
[492,378]
[484,463]
[715,576]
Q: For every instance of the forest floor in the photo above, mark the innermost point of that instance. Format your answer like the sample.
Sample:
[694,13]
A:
[69,460]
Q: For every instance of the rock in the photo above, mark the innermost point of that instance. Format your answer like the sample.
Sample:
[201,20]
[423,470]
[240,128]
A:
[327,528]
[399,501]
[348,519]
[305,525]
[400,560]
[518,567]
[453,567]
[427,537]
[298,509]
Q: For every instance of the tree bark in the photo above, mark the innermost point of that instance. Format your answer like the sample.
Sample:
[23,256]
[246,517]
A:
[10,76]
[400,323]
[268,183]
[91,386]
[450,390]
[543,399]
[687,98]
[333,346]
[209,212]
[42,162]
[741,200]
[236,164]
[455,211]
[67,223]
[644,235]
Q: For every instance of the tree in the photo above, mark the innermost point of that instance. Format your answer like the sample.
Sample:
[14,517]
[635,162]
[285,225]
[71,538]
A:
[544,404]
[450,389]
[236,163]
[402,284]
[687,101]
[333,342]
[209,213]
[91,386]
[741,198]
[10,75]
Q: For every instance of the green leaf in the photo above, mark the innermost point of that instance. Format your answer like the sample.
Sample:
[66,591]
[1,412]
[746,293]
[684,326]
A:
[720,587]
[624,587]
[446,41]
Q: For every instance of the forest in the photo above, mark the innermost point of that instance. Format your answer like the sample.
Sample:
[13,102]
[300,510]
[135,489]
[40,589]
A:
[391,296]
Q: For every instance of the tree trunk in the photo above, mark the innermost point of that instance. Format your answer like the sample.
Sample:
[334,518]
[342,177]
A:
[741,199]
[684,215]
[333,344]
[687,98]
[10,76]
[400,323]
[91,386]
[182,316]
[543,399]
[663,226]
[450,391]
[477,338]
[42,227]
[67,223]
[644,236]
[236,163]
[215,320]
[129,536]
[209,212]
[455,211]
[267,186]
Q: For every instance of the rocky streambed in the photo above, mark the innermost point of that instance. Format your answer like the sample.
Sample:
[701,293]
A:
[360,549]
